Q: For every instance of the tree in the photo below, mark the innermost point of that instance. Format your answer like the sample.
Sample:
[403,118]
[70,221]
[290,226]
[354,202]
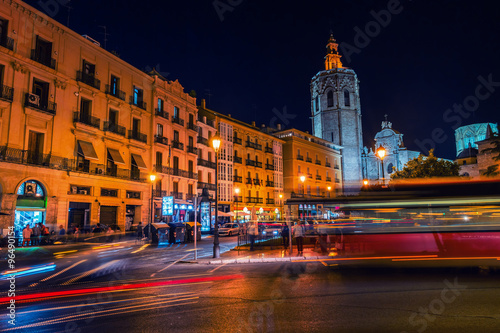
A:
[492,170]
[426,167]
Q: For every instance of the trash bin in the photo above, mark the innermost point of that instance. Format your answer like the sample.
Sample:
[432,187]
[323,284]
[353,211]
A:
[190,231]
[160,233]
[177,232]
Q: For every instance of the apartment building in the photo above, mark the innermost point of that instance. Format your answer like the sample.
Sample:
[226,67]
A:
[81,130]
[312,169]
[250,173]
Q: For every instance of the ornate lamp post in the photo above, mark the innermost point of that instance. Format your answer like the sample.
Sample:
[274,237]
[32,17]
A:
[303,179]
[237,191]
[329,188]
[381,154]
[152,178]
[216,145]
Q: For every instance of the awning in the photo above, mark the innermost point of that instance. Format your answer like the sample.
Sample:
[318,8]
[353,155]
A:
[115,156]
[86,149]
[138,161]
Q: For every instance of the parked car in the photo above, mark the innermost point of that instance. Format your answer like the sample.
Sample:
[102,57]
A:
[271,230]
[229,229]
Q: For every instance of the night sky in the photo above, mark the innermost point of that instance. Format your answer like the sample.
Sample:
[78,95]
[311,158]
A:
[262,55]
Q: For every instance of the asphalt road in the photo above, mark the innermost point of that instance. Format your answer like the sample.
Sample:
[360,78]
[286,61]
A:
[130,288]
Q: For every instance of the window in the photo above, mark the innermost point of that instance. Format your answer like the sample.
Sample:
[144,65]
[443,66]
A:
[85,109]
[347,98]
[159,159]
[88,68]
[191,141]
[176,163]
[210,156]
[159,130]
[113,117]
[176,136]
[190,189]
[176,187]
[329,98]
[316,103]
[191,119]
[136,126]
[114,85]
[209,178]
[298,168]
[160,104]
[35,147]
[191,166]
[41,89]
[200,176]
[176,112]
[4,24]
[138,95]
[43,52]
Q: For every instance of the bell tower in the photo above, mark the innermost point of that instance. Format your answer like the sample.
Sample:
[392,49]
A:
[336,113]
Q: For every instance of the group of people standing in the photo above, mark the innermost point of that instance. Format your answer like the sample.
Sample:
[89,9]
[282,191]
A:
[298,231]
[36,235]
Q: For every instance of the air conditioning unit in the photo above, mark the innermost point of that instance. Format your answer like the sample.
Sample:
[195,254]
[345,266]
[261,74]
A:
[34,99]
[84,192]
[73,189]
[99,171]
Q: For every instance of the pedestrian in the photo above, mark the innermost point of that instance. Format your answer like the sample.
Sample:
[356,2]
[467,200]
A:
[76,234]
[140,232]
[298,233]
[62,233]
[35,236]
[27,235]
[97,229]
[45,234]
[285,234]
[109,236]
[253,231]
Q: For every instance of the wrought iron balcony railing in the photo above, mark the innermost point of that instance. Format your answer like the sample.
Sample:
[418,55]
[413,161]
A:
[35,102]
[192,150]
[177,120]
[269,150]
[86,119]
[192,126]
[202,140]
[300,157]
[269,166]
[161,139]
[177,145]
[88,79]
[237,179]
[113,91]
[309,160]
[209,186]
[237,159]
[43,58]
[7,42]
[205,163]
[269,183]
[140,104]
[270,201]
[114,128]
[138,136]
[237,140]
[6,93]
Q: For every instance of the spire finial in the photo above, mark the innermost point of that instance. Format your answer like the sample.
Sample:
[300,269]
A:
[332,58]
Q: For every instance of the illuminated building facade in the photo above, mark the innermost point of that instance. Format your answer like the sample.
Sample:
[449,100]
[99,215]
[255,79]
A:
[80,129]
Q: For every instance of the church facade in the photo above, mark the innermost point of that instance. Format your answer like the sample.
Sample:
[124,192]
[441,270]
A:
[336,113]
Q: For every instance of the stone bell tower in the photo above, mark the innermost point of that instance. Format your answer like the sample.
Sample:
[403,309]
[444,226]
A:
[336,113]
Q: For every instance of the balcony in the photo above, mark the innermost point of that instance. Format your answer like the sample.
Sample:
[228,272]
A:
[86,119]
[318,177]
[269,183]
[114,128]
[237,159]
[253,145]
[270,201]
[300,157]
[254,200]
[211,187]
[238,199]
[327,164]
[256,181]
[336,166]
[139,103]
[250,162]
[190,196]
[268,150]
[8,43]
[161,139]
[192,150]
[309,160]
[177,195]
[205,163]
[35,102]
[309,175]
[110,90]
[138,136]
[269,166]
[88,79]
[297,195]
[328,179]
[248,181]
[159,193]
[177,145]
[161,113]
[237,141]
[175,172]
[43,58]
[237,179]
[318,162]
[192,126]
[337,180]
[6,93]
[202,140]
[177,120]
[258,164]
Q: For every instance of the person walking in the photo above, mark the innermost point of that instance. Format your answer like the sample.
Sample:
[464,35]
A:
[140,233]
[76,234]
[298,233]
[35,236]
[27,235]
[285,233]
[62,233]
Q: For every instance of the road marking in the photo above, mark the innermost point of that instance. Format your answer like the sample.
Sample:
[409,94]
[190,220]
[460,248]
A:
[141,248]
[64,270]
[216,268]
[92,271]
[175,262]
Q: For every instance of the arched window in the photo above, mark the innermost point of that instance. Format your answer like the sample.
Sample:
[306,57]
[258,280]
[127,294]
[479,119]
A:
[316,103]
[347,98]
[390,168]
[329,98]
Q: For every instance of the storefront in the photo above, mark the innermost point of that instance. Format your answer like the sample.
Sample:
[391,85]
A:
[31,205]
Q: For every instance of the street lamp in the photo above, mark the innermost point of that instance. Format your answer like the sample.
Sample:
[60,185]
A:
[216,145]
[303,179]
[329,188]
[152,178]
[282,206]
[381,154]
[237,191]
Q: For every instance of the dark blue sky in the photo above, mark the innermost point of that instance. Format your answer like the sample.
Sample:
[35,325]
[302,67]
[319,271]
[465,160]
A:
[263,54]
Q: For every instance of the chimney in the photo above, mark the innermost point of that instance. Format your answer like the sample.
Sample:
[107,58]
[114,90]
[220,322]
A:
[253,123]
[203,103]
[279,127]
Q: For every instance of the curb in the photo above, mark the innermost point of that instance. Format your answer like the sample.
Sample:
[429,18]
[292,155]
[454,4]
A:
[260,260]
